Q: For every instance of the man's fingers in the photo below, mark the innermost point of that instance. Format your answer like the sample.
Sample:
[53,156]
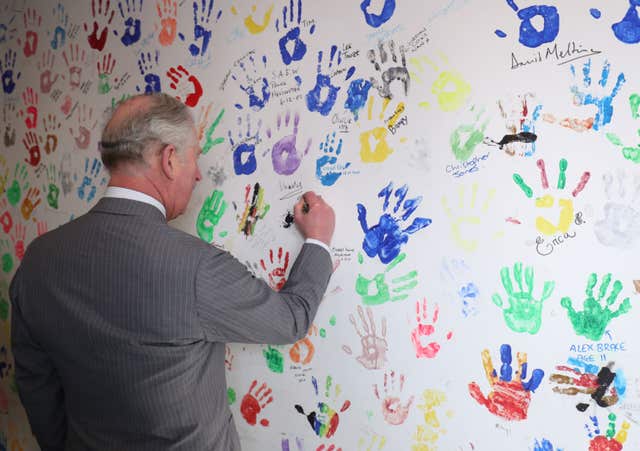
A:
[311,198]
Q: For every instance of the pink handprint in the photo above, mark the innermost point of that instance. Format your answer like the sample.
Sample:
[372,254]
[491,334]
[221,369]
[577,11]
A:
[17,237]
[45,66]
[393,411]
[425,329]
[75,60]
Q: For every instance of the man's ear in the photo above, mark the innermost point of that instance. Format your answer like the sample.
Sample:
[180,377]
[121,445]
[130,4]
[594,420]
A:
[168,157]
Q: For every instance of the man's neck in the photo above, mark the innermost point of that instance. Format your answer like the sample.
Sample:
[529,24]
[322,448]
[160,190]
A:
[139,183]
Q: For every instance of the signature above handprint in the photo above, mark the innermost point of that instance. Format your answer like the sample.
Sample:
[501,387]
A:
[385,238]
[510,395]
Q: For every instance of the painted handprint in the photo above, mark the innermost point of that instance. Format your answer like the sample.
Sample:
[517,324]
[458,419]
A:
[19,184]
[7,258]
[17,238]
[376,20]
[322,97]
[394,411]
[131,14]
[471,131]
[210,214]
[303,350]
[4,179]
[628,29]
[8,71]
[457,274]
[530,35]
[252,25]
[51,127]
[376,291]
[450,88]
[520,123]
[524,311]
[621,212]
[603,101]
[30,112]
[75,60]
[255,84]
[370,441]
[32,22]
[357,95]
[31,145]
[631,153]
[428,434]
[510,395]
[168,15]
[610,440]
[467,220]
[579,377]
[277,269]
[209,141]
[30,202]
[374,147]
[390,71]
[47,76]
[86,123]
[254,209]
[104,73]
[328,170]
[91,180]
[244,146]
[544,445]
[51,188]
[8,27]
[203,14]
[374,347]
[597,313]
[285,155]
[60,31]
[325,420]
[274,358]
[387,237]
[254,403]
[186,85]
[422,333]
[292,47]
[8,117]
[102,18]
[547,201]
[148,66]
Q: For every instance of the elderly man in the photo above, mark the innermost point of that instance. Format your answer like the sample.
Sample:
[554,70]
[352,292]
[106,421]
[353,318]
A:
[119,321]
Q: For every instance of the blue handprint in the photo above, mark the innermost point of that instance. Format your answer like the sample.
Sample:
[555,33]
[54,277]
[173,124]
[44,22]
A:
[292,48]
[604,103]
[529,35]
[375,20]
[91,174]
[259,97]
[148,62]
[244,149]
[357,95]
[326,169]
[544,445]
[385,238]
[7,70]
[131,17]
[324,85]
[201,27]
[628,29]
[60,32]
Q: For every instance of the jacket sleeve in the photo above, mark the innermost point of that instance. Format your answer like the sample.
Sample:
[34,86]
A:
[235,306]
[39,386]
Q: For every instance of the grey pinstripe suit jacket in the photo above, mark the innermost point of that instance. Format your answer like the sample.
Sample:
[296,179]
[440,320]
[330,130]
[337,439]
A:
[118,330]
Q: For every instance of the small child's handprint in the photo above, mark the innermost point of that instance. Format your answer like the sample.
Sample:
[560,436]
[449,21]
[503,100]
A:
[325,420]
[148,65]
[610,440]
[7,71]
[102,18]
[244,146]
[422,333]
[130,21]
[187,86]
[394,411]
[202,27]
[327,169]
[167,13]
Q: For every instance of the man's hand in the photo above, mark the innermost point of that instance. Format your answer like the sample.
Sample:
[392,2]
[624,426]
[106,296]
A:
[314,217]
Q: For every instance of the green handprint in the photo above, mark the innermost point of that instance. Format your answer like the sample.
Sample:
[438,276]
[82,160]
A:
[15,191]
[53,195]
[209,140]
[524,313]
[4,303]
[630,153]
[275,360]
[231,396]
[382,293]
[594,319]
[210,214]
[474,134]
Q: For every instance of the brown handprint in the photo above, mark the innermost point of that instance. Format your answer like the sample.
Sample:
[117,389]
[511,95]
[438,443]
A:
[374,347]
[30,203]
[278,269]
[393,411]
[254,402]
[425,329]
[594,381]
[51,126]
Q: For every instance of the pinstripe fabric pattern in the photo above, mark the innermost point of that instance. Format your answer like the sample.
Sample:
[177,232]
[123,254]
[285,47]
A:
[120,321]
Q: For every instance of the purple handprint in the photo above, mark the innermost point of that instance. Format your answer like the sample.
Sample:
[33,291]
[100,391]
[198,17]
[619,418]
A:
[7,71]
[285,156]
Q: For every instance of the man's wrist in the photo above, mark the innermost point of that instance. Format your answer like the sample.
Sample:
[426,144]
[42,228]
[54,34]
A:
[319,243]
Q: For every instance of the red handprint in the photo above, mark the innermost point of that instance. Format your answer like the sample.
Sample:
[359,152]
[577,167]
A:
[17,237]
[30,100]
[32,20]
[74,61]
[45,66]
[180,77]
[168,23]
[277,276]
[253,403]
[104,72]
[30,203]
[30,142]
[97,39]
[425,329]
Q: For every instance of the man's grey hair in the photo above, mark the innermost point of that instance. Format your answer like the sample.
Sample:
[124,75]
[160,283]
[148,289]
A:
[161,120]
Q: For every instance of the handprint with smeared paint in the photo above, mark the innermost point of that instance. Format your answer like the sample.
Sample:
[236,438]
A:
[373,355]
[621,212]
[285,155]
[32,22]
[376,20]
[631,153]
[548,201]
[91,180]
[4,178]
[75,60]
[131,13]
[377,290]
[357,95]
[274,358]
[390,70]
[254,403]
[254,209]
[374,147]
[244,147]
[457,274]
[203,27]
[328,171]
[148,67]
[253,25]
[596,315]
[471,131]
[325,420]
[466,220]
[530,35]
[423,332]
[387,237]
[322,97]
[628,29]
[510,395]
[524,312]
[277,270]
[168,15]
[255,84]
[104,73]
[580,377]
[187,86]
[102,18]
[292,47]
[7,258]
[371,441]
[450,88]
[60,31]
[544,445]
[8,71]
[287,444]
[428,434]
[586,95]
[394,411]
[520,123]
[6,220]
[303,350]
[610,440]
[212,210]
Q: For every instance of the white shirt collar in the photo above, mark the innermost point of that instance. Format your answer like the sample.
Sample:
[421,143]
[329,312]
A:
[126,193]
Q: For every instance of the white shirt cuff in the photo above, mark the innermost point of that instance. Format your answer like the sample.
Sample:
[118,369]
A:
[319,243]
